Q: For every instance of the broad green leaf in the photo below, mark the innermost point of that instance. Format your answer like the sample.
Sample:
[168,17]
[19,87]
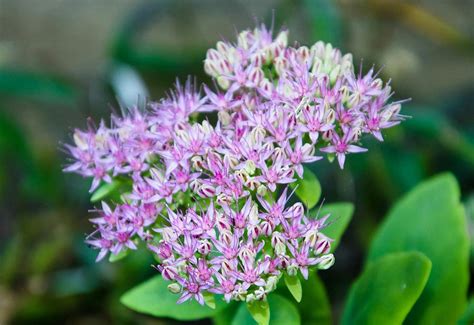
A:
[282,312]
[308,189]
[340,216]
[260,311]
[467,317]
[387,289]
[117,257]
[430,219]
[314,307]
[293,284]
[152,297]
[106,190]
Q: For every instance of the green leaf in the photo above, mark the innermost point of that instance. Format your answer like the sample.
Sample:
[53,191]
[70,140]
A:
[387,289]
[225,316]
[293,284]
[280,312]
[117,257]
[308,189]
[152,297]
[314,307]
[260,311]
[34,85]
[106,190]
[209,300]
[469,210]
[467,317]
[340,216]
[430,219]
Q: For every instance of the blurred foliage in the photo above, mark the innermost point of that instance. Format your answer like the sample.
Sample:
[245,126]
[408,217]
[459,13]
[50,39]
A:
[47,272]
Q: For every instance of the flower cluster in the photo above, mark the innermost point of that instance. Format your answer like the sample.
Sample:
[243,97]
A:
[203,197]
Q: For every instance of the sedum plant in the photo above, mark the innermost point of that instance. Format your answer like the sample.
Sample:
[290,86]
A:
[204,178]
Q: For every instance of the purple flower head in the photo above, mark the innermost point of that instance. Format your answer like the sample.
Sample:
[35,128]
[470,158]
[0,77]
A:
[203,198]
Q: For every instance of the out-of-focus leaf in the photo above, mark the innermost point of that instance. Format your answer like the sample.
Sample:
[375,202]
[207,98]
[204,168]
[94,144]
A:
[409,162]
[74,281]
[34,85]
[340,216]
[467,317]
[278,311]
[10,259]
[433,125]
[153,297]
[47,253]
[325,19]
[308,189]
[387,289]
[128,86]
[293,284]
[37,179]
[117,257]
[430,219]
[314,307]
[158,58]
[469,209]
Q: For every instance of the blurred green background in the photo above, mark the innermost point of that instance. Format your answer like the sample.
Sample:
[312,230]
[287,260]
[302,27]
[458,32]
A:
[62,62]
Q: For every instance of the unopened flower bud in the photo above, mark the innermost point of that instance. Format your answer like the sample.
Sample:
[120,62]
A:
[292,269]
[282,38]
[281,65]
[252,183]
[253,216]
[311,237]
[224,117]
[326,262]
[255,77]
[210,68]
[242,39]
[260,293]
[223,199]
[80,142]
[334,74]
[250,297]
[280,249]
[322,245]
[262,190]
[223,82]
[204,247]
[206,191]
[250,167]
[197,162]
[213,55]
[271,283]
[174,288]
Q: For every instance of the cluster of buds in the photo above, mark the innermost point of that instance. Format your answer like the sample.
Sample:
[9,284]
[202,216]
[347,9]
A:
[203,198]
